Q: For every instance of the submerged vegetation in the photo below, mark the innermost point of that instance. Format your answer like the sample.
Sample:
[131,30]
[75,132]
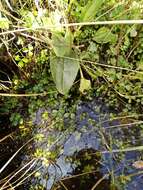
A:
[71,69]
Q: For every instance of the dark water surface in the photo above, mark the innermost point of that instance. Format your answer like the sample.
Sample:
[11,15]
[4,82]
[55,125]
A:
[8,146]
[94,155]
[85,161]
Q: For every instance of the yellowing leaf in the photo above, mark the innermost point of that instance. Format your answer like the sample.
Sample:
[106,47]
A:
[138,164]
[4,23]
[133,32]
[84,85]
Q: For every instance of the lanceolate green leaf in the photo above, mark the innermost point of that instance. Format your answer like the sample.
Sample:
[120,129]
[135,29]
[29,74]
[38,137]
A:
[64,72]
[62,44]
[90,10]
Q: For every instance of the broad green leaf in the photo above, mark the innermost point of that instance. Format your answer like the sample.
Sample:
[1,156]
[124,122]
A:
[4,23]
[90,10]
[62,45]
[64,72]
[104,35]
[84,85]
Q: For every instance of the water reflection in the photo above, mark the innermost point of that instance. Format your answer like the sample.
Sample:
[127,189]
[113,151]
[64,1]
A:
[95,132]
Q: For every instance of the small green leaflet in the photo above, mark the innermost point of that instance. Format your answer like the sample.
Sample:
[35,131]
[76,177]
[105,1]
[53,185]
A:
[84,84]
[104,35]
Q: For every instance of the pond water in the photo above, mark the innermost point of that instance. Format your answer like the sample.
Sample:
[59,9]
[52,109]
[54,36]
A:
[99,153]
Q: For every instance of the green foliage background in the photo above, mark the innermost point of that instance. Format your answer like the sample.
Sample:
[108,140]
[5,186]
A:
[45,61]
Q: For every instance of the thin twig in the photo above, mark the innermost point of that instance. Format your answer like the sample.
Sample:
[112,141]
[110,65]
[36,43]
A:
[22,181]
[33,160]
[26,95]
[13,156]
[126,124]
[63,185]
[113,22]
[99,181]
[7,136]
[136,148]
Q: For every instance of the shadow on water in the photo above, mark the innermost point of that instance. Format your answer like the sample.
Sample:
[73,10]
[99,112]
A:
[86,160]
[8,146]
[87,173]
